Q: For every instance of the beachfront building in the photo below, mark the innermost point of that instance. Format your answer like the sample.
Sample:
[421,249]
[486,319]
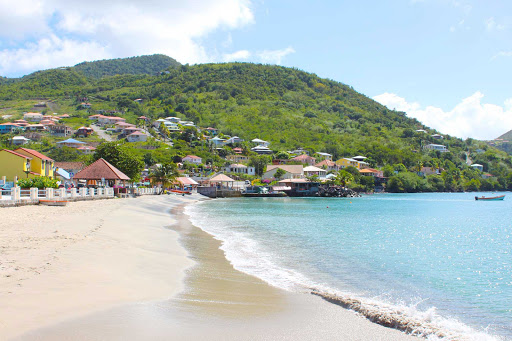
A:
[33,117]
[438,147]
[71,143]
[192,159]
[291,171]
[185,183]
[304,158]
[14,165]
[19,140]
[40,164]
[220,181]
[371,172]
[101,172]
[312,171]
[71,167]
[240,169]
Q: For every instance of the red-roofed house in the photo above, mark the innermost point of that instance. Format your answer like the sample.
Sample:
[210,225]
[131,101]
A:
[101,170]
[304,158]
[137,137]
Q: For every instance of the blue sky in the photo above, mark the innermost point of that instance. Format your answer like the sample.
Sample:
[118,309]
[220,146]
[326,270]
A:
[445,62]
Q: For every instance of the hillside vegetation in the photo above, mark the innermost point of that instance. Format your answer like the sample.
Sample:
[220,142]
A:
[288,107]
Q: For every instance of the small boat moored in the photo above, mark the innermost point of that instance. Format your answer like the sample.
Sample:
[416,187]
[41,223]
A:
[53,202]
[499,197]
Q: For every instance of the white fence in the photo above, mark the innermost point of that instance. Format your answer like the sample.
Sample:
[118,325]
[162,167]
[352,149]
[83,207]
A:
[16,195]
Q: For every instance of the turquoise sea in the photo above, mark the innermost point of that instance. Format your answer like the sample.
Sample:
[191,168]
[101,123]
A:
[442,258]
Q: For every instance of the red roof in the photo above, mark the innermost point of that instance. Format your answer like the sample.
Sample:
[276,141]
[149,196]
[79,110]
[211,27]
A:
[17,154]
[35,153]
[192,157]
[303,157]
[137,133]
[101,169]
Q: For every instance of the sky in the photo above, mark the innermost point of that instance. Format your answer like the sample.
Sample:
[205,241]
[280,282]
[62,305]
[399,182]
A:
[447,63]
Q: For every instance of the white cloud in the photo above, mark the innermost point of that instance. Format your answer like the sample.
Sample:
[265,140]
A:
[238,55]
[491,25]
[469,118]
[274,56]
[502,54]
[116,28]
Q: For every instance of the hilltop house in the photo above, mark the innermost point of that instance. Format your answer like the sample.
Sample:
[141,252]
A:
[347,162]
[193,159]
[429,171]
[237,158]
[33,117]
[291,171]
[478,166]
[262,150]
[40,164]
[328,165]
[439,147]
[324,156]
[19,140]
[216,141]
[260,142]
[233,140]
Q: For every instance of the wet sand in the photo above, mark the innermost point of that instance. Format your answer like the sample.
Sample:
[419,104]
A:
[219,303]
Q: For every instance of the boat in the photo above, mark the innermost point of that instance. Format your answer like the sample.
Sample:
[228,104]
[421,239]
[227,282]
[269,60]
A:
[499,197]
[53,202]
[179,191]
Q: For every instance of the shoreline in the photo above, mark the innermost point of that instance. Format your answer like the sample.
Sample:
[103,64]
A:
[215,301]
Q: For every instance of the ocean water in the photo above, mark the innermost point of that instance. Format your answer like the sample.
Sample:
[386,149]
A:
[440,260]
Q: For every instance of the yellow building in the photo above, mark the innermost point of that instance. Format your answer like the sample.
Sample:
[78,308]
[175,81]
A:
[14,165]
[346,162]
[40,164]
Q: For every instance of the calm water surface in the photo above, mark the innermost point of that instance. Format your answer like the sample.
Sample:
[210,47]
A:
[446,251]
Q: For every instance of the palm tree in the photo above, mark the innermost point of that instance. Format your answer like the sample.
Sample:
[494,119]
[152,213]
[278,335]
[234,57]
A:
[165,174]
[343,177]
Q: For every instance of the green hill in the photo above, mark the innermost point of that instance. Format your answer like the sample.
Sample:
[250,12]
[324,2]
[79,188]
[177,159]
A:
[148,65]
[286,106]
[506,137]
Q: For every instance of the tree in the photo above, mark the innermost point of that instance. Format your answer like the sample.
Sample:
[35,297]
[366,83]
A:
[259,163]
[279,173]
[343,177]
[121,157]
[165,174]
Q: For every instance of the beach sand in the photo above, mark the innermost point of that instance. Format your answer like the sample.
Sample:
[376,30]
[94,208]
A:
[124,253]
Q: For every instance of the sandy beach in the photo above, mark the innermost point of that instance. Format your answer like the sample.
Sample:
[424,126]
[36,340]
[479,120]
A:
[131,270]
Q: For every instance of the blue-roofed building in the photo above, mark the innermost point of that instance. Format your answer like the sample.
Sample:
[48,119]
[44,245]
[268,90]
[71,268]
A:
[10,127]
[71,143]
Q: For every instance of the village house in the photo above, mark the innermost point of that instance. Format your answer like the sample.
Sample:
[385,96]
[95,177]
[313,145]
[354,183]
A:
[262,150]
[323,156]
[40,164]
[83,132]
[14,165]
[291,171]
[137,137]
[72,143]
[35,127]
[437,136]
[260,142]
[86,150]
[33,117]
[371,172]
[192,159]
[304,158]
[233,140]
[237,158]
[130,130]
[312,171]
[22,123]
[240,169]
[104,120]
[216,141]
[6,128]
[71,167]
[328,165]
[85,105]
[425,171]
[60,130]
[19,140]
[212,131]
[439,147]
[350,162]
